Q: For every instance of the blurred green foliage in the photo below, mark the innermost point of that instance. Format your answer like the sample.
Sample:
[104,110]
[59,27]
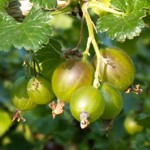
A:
[41,132]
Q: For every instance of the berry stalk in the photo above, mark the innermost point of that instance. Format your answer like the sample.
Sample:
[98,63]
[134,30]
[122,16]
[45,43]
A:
[91,39]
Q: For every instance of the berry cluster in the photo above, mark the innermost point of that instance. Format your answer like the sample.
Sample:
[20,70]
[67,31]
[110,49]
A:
[72,83]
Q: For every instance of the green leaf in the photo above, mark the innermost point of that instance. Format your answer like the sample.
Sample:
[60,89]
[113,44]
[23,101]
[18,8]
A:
[3,4]
[49,57]
[32,33]
[144,120]
[34,30]
[128,6]
[7,26]
[144,4]
[121,27]
[53,48]
[46,3]
[129,25]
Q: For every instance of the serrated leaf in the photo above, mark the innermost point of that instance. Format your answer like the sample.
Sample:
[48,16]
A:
[144,120]
[49,57]
[121,27]
[46,3]
[7,31]
[129,25]
[142,4]
[130,5]
[32,33]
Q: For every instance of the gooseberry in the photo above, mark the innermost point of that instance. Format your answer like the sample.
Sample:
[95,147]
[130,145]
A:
[131,126]
[40,90]
[113,101]
[19,95]
[86,105]
[116,67]
[69,76]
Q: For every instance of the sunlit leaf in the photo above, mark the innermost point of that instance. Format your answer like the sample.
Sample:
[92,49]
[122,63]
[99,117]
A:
[32,33]
[125,26]
[130,5]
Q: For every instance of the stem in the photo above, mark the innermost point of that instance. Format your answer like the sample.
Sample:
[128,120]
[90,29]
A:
[65,9]
[81,33]
[34,64]
[86,52]
[103,7]
[34,67]
[61,10]
[91,39]
[37,64]
[26,65]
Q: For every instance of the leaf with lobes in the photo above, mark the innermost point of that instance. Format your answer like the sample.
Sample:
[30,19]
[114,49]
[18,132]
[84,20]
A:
[31,34]
[129,24]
